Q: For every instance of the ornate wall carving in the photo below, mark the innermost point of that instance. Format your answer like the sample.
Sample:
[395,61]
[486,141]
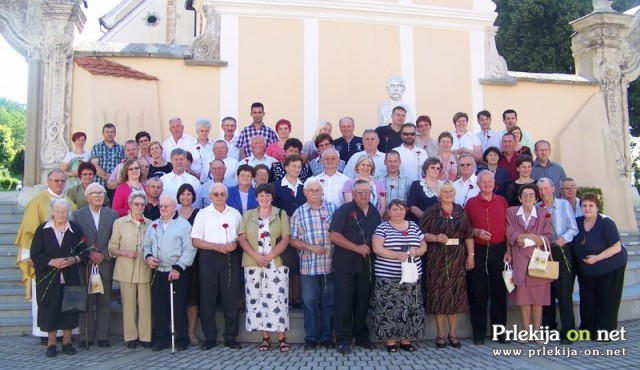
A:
[206,47]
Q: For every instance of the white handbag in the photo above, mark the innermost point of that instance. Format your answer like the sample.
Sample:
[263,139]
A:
[409,272]
[507,275]
[95,281]
[539,258]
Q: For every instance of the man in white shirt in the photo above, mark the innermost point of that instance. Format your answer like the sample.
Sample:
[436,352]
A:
[411,157]
[258,145]
[215,234]
[221,151]
[178,139]
[229,126]
[216,175]
[487,136]
[510,119]
[332,181]
[466,187]
[370,142]
[172,181]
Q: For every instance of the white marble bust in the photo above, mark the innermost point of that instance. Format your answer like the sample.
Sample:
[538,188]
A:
[395,89]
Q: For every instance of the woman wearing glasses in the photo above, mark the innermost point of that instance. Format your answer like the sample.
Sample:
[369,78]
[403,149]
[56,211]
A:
[129,182]
[87,175]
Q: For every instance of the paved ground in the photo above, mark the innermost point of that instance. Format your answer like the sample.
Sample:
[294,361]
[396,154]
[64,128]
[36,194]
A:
[26,352]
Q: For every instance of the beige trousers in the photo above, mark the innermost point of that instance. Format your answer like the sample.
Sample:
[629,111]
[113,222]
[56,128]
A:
[136,303]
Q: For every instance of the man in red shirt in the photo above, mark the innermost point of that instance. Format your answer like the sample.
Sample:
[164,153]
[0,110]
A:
[509,155]
[486,212]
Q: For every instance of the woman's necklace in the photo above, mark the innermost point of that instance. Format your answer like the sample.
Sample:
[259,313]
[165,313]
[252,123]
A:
[587,230]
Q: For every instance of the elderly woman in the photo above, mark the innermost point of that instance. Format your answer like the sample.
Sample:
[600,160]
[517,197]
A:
[73,159]
[185,197]
[449,257]
[168,251]
[449,170]
[202,148]
[159,166]
[292,146]
[524,166]
[491,157]
[264,235]
[309,150]
[129,182]
[132,273]
[531,224]
[424,193]
[242,196]
[464,141]
[365,168]
[260,174]
[87,175]
[520,149]
[424,140]
[57,246]
[398,309]
[277,149]
[602,260]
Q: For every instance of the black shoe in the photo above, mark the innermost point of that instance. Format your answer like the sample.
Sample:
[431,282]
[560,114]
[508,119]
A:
[344,349]
[52,351]
[565,341]
[232,343]
[44,341]
[441,343]
[364,343]
[455,342]
[478,342]
[182,347]
[328,344]
[132,344]
[208,344]
[310,345]
[146,345]
[158,347]
[104,344]
[68,349]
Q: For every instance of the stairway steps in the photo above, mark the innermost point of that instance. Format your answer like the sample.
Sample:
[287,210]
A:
[12,295]
[12,326]
[15,309]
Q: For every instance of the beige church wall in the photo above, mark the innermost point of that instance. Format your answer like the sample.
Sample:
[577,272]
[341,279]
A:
[355,60]
[132,105]
[462,4]
[443,76]
[271,70]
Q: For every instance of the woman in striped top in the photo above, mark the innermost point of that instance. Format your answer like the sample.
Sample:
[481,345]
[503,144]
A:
[398,310]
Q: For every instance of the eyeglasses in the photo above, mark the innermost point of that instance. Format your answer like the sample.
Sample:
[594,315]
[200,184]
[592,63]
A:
[137,204]
[216,194]
[527,195]
[362,192]
[435,168]
[464,164]
[87,174]
[97,193]
[164,205]
[409,133]
[330,158]
[133,168]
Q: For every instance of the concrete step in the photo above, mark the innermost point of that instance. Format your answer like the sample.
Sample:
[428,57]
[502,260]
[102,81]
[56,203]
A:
[11,280]
[13,326]
[632,273]
[11,218]
[12,295]
[8,239]
[15,309]
[8,268]
[9,227]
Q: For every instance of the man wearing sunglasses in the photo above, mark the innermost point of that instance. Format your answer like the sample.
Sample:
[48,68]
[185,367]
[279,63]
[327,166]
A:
[411,157]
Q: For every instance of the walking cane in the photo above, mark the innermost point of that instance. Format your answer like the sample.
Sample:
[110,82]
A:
[173,329]
[86,314]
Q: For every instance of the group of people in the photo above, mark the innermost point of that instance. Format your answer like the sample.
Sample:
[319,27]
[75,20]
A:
[261,222]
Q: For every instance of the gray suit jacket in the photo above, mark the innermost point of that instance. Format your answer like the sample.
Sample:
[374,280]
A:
[100,237]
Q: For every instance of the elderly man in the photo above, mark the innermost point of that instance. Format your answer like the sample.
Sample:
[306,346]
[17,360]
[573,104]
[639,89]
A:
[221,152]
[178,139]
[370,140]
[466,187]
[564,228]
[202,148]
[216,173]
[411,157]
[258,149]
[96,222]
[228,126]
[323,142]
[178,176]
[348,144]
[395,90]
[509,155]
[351,230]
[168,251]
[331,180]
[510,119]
[568,190]
[487,136]
[390,134]
[131,151]
[107,154]
[256,128]
[310,234]
[35,214]
[544,167]
[215,233]
[396,184]
[487,214]
[154,190]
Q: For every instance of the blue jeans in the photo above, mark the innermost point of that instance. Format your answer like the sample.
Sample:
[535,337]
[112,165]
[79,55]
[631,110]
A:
[317,296]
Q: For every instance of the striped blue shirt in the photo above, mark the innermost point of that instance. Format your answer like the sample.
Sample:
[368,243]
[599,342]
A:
[563,221]
[312,226]
[395,241]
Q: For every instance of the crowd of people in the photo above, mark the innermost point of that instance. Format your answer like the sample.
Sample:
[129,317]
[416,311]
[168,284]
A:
[398,221]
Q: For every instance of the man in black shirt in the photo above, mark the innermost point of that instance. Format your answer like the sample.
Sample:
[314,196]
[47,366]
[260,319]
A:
[348,144]
[389,135]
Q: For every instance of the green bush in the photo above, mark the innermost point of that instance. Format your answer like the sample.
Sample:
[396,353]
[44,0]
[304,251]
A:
[597,191]
[16,166]
[8,183]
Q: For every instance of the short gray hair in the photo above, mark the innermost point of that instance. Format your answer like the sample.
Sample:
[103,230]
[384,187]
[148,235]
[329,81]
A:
[330,151]
[63,202]
[136,194]
[91,188]
[203,122]
[546,180]
[178,151]
[312,181]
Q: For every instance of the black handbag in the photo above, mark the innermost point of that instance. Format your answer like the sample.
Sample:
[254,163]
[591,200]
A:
[74,297]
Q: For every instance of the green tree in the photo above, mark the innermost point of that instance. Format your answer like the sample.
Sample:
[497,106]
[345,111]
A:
[6,146]
[13,116]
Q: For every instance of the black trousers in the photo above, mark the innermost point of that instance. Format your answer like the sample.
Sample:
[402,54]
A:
[215,281]
[485,285]
[562,290]
[600,297]
[351,304]
[161,309]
